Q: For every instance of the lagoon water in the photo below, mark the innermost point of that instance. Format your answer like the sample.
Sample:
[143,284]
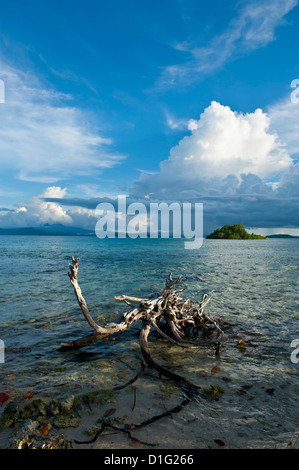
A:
[255,288]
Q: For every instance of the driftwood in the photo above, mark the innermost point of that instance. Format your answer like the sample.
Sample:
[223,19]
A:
[168,314]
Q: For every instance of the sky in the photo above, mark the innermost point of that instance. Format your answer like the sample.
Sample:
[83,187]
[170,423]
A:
[172,100]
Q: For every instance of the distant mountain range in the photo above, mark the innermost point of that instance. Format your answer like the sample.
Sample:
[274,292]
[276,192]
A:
[281,235]
[48,230]
[62,230]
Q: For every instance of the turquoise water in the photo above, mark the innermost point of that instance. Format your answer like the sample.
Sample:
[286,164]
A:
[255,288]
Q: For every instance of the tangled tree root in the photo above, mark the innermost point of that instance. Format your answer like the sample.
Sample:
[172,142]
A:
[168,310]
[170,315]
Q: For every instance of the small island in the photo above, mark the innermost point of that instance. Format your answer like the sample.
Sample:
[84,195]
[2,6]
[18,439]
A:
[234,232]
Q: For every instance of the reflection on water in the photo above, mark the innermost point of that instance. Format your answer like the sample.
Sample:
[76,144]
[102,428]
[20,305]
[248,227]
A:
[255,288]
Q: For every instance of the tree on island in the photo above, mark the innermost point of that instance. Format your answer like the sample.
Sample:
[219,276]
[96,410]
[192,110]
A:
[234,232]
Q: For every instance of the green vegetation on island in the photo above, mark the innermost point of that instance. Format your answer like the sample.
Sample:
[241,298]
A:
[234,232]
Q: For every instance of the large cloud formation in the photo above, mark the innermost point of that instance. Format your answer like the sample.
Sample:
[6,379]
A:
[234,163]
[222,148]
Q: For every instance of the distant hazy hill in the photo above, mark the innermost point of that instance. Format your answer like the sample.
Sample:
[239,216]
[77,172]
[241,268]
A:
[46,230]
[62,229]
[281,235]
[234,232]
[21,231]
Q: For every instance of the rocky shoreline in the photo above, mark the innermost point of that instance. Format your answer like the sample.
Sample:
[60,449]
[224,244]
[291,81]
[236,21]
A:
[38,423]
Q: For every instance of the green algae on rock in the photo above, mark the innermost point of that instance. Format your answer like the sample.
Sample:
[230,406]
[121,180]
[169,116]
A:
[35,409]
[61,407]
[65,421]
[9,415]
[213,393]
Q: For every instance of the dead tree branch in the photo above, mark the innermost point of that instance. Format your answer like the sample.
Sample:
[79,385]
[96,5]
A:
[170,315]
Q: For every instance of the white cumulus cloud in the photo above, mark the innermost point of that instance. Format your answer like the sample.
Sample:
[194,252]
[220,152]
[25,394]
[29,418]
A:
[223,147]
[38,211]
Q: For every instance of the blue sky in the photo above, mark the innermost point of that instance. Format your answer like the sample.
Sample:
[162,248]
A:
[172,100]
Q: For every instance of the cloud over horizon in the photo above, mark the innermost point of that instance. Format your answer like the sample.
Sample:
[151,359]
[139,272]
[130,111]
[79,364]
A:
[39,211]
[234,163]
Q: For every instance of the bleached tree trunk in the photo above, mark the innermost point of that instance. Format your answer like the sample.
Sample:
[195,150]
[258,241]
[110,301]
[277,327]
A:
[158,312]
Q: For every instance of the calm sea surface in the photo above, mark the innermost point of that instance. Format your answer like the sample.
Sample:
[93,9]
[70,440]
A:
[255,288]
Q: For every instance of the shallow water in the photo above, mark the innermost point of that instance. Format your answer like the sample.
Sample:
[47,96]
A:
[255,288]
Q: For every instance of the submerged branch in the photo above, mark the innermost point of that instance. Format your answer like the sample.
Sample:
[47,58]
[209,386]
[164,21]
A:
[170,315]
